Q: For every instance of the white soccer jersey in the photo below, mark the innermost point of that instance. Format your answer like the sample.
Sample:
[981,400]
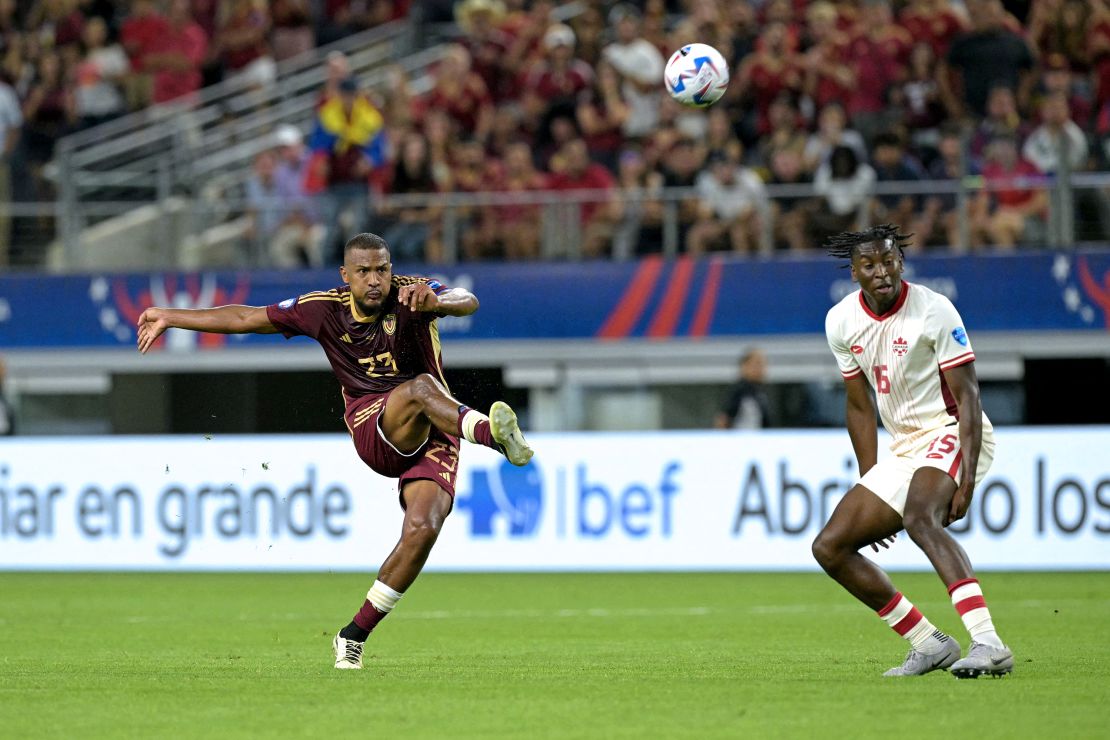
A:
[903,354]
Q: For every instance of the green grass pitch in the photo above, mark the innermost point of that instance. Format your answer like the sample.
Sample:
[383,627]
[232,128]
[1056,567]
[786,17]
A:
[534,656]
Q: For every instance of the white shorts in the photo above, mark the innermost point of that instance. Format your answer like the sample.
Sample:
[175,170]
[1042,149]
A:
[890,478]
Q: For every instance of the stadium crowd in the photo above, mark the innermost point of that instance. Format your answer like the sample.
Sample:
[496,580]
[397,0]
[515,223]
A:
[837,96]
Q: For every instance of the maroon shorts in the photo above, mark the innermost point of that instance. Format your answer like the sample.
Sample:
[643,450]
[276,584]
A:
[436,460]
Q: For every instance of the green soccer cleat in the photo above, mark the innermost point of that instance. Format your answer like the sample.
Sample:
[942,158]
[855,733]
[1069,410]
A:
[984,660]
[506,432]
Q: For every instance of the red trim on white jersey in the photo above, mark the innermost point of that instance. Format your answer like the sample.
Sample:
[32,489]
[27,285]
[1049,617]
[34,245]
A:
[855,373]
[890,311]
[955,467]
[963,359]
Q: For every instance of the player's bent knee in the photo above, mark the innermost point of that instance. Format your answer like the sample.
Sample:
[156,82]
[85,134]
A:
[920,526]
[826,550]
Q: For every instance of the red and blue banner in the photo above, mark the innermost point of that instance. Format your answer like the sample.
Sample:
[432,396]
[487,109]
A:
[650,298]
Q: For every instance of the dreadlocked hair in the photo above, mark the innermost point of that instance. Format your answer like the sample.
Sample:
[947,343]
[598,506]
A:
[842,245]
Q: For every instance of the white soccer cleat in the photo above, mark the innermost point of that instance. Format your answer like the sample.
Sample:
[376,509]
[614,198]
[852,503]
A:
[984,660]
[918,664]
[506,432]
[348,653]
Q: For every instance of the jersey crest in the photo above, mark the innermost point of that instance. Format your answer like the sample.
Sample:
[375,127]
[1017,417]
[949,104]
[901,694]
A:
[389,323]
[900,347]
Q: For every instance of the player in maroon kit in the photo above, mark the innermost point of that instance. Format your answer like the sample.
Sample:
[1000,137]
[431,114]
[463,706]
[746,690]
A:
[379,333]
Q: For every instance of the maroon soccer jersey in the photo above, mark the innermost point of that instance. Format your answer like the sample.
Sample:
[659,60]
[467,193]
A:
[368,354]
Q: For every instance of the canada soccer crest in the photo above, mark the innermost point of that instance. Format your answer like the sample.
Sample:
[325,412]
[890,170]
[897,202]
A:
[901,347]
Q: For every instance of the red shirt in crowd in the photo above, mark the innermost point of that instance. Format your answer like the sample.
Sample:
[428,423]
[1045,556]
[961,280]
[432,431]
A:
[189,41]
[936,29]
[142,35]
[594,177]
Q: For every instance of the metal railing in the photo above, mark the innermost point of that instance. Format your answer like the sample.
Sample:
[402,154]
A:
[190,232]
[177,147]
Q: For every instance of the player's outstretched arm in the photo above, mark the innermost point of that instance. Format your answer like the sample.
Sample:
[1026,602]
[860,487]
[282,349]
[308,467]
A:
[964,384]
[453,302]
[221,320]
[862,427]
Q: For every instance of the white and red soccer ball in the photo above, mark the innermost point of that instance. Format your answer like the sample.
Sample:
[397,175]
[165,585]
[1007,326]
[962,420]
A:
[696,75]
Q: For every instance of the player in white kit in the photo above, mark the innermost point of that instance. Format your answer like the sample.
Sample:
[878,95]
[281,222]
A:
[907,345]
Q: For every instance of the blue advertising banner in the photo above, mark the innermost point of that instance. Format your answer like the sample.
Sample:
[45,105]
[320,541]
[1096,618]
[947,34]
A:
[654,298]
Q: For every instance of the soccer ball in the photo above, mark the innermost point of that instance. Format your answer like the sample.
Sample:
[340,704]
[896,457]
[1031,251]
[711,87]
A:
[696,75]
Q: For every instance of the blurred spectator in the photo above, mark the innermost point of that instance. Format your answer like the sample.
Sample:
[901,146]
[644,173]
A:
[599,216]
[176,59]
[639,231]
[1098,41]
[791,213]
[557,80]
[1058,140]
[294,161]
[412,232]
[892,163]
[918,97]
[1061,27]
[846,184]
[280,223]
[507,129]
[590,34]
[731,210]
[347,142]
[241,43]
[747,406]
[527,30]
[602,115]
[518,226]
[48,111]
[488,44]
[342,18]
[1058,79]
[719,134]
[474,172]
[60,24]
[16,68]
[878,58]
[141,35]
[786,130]
[293,32]
[98,97]
[640,66]
[828,75]
[934,22]
[1002,119]
[462,94]
[681,165]
[772,70]
[336,69]
[986,57]
[1017,209]
[831,133]
[939,223]
[11,119]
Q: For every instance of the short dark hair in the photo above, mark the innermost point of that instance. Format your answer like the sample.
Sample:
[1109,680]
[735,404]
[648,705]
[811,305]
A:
[364,240]
[844,245]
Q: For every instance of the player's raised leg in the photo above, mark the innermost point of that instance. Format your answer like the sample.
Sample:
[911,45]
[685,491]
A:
[426,507]
[927,506]
[861,519]
[423,402]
